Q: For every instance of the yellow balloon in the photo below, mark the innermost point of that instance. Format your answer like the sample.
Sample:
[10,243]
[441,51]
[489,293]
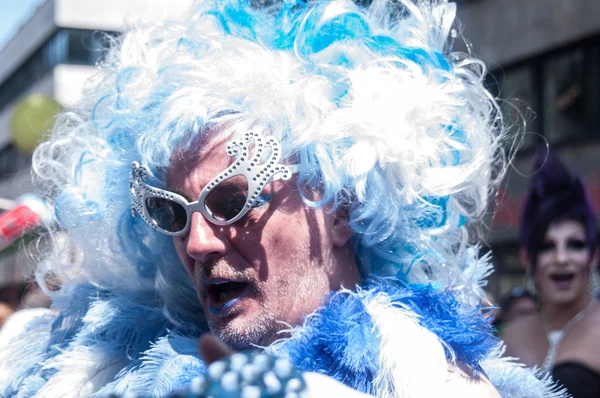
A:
[32,121]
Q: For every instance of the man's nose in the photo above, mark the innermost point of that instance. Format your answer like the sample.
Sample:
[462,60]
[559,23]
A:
[205,239]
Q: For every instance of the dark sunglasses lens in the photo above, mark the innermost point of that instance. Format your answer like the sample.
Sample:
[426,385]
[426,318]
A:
[168,215]
[227,199]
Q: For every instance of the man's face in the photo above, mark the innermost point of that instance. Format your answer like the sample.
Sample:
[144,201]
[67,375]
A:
[270,269]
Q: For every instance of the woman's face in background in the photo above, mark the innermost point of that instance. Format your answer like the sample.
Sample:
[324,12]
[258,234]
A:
[563,264]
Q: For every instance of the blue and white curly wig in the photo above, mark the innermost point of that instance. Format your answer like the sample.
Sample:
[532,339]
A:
[369,100]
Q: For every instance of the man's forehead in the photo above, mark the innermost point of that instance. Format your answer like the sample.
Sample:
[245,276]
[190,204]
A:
[207,147]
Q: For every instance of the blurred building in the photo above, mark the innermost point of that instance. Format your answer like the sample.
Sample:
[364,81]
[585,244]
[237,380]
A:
[545,57]
[54,53]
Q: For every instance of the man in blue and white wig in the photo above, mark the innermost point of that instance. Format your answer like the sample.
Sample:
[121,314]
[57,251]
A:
[299,179]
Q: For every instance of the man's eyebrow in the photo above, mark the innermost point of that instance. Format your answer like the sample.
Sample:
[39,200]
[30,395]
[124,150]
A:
[178,192]
[227,186]
[232,184]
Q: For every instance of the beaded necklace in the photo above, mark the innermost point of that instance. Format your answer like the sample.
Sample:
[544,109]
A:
[555,337]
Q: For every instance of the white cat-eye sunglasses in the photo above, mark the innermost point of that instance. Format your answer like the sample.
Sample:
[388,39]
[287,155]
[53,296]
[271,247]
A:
[225,199]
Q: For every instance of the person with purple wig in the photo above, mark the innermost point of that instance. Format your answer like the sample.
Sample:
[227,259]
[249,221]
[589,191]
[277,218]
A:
[558,249]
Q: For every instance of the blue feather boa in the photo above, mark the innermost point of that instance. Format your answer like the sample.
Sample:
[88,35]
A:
[340,340]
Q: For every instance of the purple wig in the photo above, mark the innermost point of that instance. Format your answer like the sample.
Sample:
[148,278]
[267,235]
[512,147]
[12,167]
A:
[554,195]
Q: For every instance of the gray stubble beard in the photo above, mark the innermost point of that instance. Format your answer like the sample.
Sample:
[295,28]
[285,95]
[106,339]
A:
[260,333]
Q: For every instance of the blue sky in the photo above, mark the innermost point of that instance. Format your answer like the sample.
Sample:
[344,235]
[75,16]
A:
[13,13]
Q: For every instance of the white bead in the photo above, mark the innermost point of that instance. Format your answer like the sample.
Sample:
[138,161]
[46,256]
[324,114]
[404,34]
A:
[261,361]
[198,385]
[237,362]
[216,370]
[293,385]
[272,384]
[283,368]
[230,382]
[250,392]
[249,373]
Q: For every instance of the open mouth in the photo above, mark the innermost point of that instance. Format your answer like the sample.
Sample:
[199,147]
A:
[224,293]
[562,280]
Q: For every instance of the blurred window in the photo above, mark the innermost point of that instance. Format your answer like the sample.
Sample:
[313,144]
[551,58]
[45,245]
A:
[518,101]
[557,94]
[66,46]
[566,113]
[508,270]
[13,161]
[86,47]
[43,60]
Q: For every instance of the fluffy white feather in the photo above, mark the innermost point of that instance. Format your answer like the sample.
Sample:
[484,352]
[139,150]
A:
[517,381]
[411,358]
[82,369]
[20,351]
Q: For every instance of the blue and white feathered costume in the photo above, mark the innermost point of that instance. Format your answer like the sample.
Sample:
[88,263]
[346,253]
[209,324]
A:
[373,105]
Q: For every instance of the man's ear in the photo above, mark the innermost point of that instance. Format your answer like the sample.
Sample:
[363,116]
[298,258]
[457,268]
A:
[524,257]
[340,229]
